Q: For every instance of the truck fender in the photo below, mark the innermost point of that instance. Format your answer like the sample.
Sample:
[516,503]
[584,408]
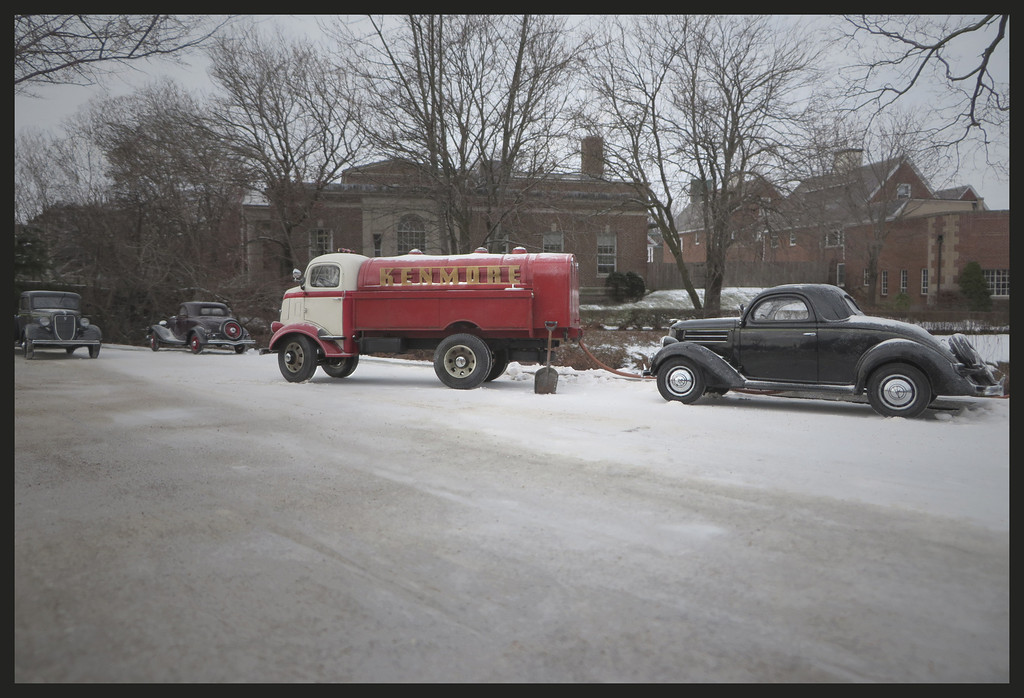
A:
[164,335]
[718,372]
[329,348]
[935,366]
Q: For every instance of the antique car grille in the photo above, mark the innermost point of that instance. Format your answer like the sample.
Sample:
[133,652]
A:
[64,326]
[706,336]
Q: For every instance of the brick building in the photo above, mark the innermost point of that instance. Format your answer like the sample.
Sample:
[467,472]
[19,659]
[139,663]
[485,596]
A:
[824,230]
[386,209]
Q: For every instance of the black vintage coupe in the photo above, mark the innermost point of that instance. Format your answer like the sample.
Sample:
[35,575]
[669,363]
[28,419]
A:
[813,340]
[201,324]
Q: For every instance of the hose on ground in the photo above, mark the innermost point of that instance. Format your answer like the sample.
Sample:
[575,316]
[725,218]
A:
[609,368]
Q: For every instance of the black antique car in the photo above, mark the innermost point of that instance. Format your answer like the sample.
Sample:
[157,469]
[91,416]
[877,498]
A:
[201,324]
[813,340]
[54,319]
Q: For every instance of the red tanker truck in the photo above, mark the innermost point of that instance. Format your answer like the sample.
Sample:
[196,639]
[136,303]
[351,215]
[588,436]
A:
[476,312]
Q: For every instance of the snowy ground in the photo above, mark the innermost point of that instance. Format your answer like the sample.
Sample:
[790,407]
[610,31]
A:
[198,518]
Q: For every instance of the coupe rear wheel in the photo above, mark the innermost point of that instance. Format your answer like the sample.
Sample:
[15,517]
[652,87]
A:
[899,390]
[297,358]
[680,379]
[240,349]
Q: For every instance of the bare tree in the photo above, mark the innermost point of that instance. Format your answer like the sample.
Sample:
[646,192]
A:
[472,102]
[78,49]
[291,118]
[955,67]
[709,105]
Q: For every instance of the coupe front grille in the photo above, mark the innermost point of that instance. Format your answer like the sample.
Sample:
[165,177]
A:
[706,336]
[64,326]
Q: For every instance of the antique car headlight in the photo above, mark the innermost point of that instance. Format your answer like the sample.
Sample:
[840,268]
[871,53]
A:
[44,320]
[84,321]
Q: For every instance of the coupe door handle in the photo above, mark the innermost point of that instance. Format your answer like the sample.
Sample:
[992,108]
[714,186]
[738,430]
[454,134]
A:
[809,334]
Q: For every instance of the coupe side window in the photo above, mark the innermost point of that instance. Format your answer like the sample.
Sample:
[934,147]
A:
[325,276]
[781,310]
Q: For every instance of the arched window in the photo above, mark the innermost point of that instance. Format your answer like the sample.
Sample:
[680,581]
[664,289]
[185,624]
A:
[412,234]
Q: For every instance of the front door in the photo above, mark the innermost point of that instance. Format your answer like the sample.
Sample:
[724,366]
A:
[779,341]
[324,297]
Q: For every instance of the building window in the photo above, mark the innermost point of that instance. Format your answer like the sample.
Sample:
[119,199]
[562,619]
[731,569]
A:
[378,241]
[840,274]
[867,278]
[320,242]
[998,281]
[903,280]
[774,240]
[605,253]
[924,282]
[792,239]
[696,238]
[903,191]
[885,283]
[834,238]
[412,234]
[554,242]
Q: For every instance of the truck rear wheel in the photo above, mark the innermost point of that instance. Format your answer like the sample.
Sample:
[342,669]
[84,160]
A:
[462,361]
[297,358]
[499,363]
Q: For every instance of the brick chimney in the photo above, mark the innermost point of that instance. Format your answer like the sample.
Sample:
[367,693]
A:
[847,160]
[592,160]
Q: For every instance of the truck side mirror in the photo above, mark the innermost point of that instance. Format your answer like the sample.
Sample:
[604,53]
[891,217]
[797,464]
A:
[297,275]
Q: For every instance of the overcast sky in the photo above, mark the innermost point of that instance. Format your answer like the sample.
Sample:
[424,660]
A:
[54,104]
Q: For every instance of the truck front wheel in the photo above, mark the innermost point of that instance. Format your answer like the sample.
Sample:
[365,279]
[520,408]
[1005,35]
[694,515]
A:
[340,368]
[297,358]
[462,361]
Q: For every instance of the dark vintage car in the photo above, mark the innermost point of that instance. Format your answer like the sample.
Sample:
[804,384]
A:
[201,324]
[54,319]
[813,340]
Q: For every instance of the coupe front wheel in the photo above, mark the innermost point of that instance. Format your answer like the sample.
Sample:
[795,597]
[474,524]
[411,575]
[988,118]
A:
[680,380]
[899,390]
[195,344]
[154,343]
[297,359]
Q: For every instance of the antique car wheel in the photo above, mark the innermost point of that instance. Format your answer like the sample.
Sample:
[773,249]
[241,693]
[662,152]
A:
[154,343]
[899,390]
[240,349]
[29,349]
[681,380]
[70,350]
[340,368]
[195,344]
[462,361]
[94,351]
[297,358]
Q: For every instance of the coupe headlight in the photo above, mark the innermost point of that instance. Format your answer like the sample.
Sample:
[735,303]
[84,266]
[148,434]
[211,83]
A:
[44,321]
[85,322]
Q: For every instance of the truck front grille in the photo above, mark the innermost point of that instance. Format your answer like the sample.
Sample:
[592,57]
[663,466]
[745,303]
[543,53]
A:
[64,326]
[706,336]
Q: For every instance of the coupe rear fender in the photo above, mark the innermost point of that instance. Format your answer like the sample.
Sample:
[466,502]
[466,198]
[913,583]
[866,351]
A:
[718,373]
[939,369]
